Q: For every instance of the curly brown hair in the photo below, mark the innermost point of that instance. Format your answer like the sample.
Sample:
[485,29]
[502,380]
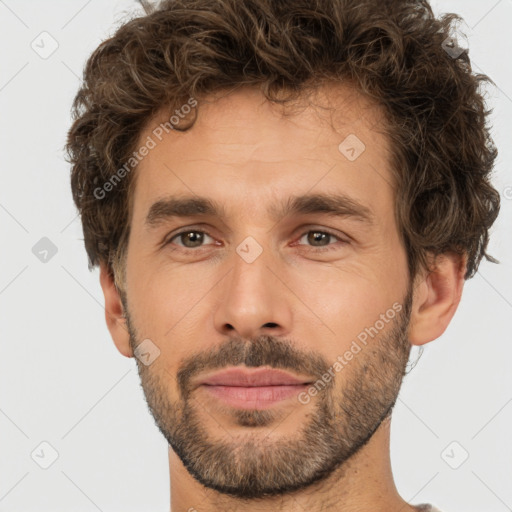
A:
[392,51]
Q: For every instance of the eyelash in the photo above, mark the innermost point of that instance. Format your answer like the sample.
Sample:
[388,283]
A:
[316,249]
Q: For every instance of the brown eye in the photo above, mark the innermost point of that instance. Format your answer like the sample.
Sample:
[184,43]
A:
[318,237]
[190,239]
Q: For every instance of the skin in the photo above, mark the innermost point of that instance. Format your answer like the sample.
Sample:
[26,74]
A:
[243,153]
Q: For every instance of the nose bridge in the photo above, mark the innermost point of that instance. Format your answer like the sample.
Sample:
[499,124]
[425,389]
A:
[249,280]
[252,298]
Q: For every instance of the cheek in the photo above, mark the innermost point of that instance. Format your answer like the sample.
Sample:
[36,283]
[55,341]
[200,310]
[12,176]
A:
[345,307]
[330,305]
[168,301]
[338,305]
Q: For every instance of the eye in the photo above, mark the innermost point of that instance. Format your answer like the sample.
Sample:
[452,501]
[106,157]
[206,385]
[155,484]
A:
[189,239]
[319,239]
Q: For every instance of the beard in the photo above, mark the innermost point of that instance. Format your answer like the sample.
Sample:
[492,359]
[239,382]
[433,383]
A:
[257,463]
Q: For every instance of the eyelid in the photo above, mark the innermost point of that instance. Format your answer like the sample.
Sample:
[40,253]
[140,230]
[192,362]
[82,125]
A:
[187,229]
[303,230]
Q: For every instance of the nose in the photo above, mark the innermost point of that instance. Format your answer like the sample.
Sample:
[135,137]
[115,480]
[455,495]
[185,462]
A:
[252,299]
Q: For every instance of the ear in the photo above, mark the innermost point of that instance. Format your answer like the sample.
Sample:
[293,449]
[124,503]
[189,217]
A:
[436,297]
[114,312]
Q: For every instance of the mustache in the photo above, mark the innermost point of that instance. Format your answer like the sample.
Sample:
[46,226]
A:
[264,350]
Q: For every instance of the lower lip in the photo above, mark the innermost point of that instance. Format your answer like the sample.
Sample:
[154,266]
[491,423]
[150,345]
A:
[255,397]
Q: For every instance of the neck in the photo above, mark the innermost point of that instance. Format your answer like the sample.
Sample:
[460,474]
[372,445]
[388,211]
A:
[364,482]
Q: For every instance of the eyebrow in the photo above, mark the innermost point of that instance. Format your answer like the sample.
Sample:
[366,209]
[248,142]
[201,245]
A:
[339,205]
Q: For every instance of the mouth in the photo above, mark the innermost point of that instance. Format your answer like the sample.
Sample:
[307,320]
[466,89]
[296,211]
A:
[253,389]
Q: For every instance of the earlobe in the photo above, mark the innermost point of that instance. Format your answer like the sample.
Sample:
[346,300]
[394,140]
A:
[114,312]
[436,297]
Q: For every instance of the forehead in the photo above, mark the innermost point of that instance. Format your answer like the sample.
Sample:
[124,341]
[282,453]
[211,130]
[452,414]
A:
[242,144]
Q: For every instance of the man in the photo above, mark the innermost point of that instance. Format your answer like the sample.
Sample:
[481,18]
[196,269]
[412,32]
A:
[283,196]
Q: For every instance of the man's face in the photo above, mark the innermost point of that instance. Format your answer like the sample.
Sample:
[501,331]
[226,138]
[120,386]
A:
[321,296]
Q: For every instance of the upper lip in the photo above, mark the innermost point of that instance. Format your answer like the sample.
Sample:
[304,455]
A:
[252,378]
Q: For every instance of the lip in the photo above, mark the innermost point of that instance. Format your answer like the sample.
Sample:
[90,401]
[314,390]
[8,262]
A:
[253,378]
[254,397]
[253,389]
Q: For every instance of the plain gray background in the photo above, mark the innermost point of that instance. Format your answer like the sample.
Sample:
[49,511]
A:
[63,382]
